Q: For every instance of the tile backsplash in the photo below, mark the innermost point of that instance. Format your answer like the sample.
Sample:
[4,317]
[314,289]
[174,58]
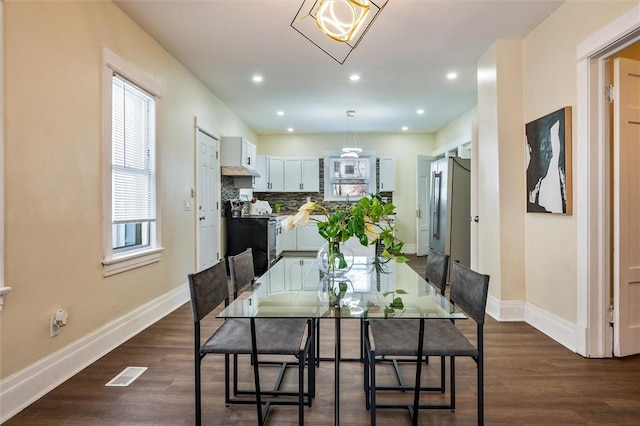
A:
[289,201]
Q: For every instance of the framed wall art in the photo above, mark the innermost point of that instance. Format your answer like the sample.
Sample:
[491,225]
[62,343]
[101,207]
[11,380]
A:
[549,163]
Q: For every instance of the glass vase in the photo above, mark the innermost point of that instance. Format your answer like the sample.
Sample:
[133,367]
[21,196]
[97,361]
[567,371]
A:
[335,291]
[335,259]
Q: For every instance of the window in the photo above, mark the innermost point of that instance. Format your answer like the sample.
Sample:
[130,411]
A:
[131,217]
[133,174]
[349,178]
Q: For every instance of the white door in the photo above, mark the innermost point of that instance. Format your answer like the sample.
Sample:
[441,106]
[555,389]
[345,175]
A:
[207,201]
[626,260]
[423,186]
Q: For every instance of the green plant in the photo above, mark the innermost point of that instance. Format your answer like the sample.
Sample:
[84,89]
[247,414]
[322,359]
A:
[368,220]
[396,302]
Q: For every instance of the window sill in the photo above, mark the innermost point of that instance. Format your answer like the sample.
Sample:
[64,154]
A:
[131,261]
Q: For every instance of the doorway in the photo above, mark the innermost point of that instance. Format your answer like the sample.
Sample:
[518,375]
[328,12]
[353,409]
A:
[423,215]
[596,195]
[207,202]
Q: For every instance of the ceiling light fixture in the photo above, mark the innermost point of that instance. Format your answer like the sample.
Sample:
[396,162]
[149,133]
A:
[342,24]
[350,149]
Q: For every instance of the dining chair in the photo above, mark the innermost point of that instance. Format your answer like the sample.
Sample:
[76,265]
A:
[436,275]
[248,336]
[424,337]
[241,271]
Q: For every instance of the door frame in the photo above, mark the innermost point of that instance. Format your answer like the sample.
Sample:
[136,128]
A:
[593,175]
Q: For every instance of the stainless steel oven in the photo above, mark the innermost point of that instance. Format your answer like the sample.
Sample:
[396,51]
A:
[272,233]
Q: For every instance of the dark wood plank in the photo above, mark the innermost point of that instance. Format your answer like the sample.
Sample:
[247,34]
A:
[529,380]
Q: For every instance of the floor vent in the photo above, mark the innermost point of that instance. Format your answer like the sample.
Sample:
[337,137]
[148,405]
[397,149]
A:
[127,376]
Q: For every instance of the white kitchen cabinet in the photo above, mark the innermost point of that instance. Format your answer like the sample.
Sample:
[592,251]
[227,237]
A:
[288,240]
[301,174]
[271,170]
[237,151]
[310,174]
[308,238]
[387,174]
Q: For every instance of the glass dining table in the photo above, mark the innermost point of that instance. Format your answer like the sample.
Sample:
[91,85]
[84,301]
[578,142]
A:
[294,287]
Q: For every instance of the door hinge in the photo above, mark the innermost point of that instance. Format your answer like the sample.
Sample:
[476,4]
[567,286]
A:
[216,155]
[610,93]
[610,315]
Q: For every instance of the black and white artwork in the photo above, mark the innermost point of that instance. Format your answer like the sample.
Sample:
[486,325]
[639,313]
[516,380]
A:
[549,163]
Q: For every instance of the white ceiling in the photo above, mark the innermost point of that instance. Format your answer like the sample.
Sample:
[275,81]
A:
[402,61]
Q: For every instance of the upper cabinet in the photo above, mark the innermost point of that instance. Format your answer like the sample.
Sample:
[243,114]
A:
[387,174]
[237,151]
[301,174]
[271,171]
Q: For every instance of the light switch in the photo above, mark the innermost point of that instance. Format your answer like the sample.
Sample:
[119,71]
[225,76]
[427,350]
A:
[187,205]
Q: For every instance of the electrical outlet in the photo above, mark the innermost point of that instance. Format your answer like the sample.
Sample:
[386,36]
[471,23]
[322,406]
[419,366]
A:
[55,330]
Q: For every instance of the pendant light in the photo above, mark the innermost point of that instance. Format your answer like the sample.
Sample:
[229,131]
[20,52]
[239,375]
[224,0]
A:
[350,147]
[336,26]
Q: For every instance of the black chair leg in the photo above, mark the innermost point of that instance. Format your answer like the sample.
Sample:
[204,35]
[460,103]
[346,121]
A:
[442,373]
[372,386]
[480,391]
[452,385]
[198,390]
[256,371]
[301,362]
[227,396]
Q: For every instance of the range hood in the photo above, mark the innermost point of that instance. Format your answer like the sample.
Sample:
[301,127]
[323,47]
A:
[238,171]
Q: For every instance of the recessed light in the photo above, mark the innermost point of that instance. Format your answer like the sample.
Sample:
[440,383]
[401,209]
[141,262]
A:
[405,128]
[280,113]
[452,75]
[257,78]
[420,111]
[290,129]
[354,77]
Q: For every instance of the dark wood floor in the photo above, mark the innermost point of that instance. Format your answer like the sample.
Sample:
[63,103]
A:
[529,380]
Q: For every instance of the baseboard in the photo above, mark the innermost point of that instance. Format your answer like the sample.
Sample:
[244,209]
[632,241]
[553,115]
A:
[506,310]
[559,329]
[25,387]
[410,249]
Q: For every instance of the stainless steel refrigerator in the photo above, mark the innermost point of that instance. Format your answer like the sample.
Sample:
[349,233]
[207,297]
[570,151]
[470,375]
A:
[450,228]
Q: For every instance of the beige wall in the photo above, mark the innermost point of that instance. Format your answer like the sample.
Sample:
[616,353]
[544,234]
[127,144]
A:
[511,154]
[549,69]
[458,130]
[53,114]
[403,147]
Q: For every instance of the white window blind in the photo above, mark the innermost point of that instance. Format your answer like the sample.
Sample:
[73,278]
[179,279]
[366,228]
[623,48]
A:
[133,154]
